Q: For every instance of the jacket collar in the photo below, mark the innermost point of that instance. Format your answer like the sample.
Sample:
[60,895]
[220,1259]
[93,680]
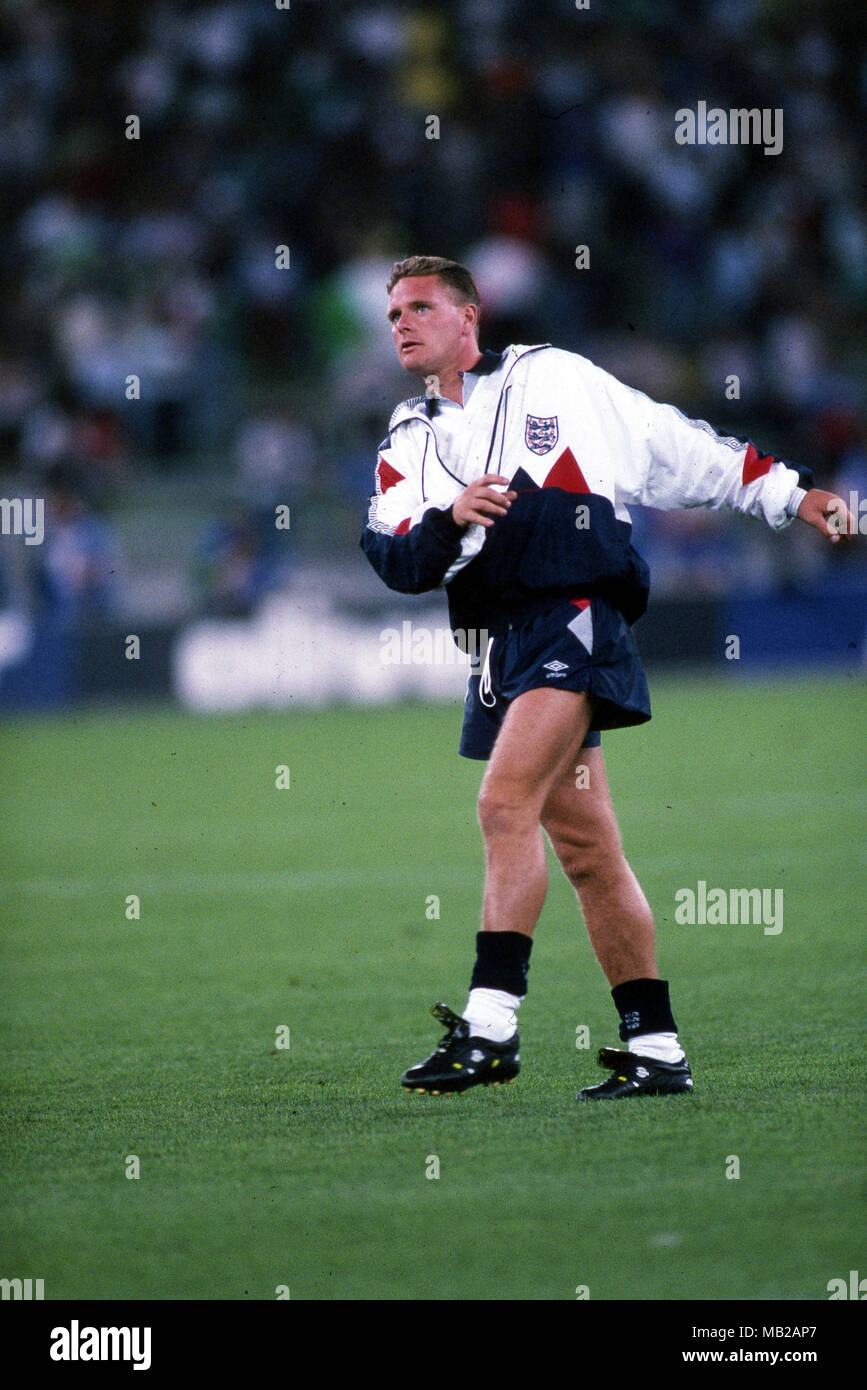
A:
[487,363]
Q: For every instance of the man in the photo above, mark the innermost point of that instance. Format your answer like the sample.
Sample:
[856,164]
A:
[508,483]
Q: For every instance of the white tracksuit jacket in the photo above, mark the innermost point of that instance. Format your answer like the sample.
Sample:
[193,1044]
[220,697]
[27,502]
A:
[579,448]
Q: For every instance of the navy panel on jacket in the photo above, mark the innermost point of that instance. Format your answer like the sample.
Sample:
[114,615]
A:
[536,554]
[416,560]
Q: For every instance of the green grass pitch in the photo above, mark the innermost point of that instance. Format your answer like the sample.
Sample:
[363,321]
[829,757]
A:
[306,908]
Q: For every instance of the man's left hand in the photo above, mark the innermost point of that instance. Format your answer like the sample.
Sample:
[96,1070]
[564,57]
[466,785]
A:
[829,514]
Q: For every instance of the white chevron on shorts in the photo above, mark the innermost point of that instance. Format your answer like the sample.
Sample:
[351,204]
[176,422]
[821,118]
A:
[582,627]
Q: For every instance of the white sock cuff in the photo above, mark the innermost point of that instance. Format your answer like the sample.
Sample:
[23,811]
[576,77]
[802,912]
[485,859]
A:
[492,1013]
[664,1047]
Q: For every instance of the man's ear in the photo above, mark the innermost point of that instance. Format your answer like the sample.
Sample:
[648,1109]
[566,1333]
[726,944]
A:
[472,315]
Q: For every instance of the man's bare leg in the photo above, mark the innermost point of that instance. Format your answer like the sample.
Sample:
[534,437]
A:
[580,821]
[540,737]
[539,741]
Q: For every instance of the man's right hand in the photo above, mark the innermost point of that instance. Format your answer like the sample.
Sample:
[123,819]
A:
[480,503]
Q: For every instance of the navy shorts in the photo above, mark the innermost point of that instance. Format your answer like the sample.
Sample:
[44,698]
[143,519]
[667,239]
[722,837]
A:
[577,644]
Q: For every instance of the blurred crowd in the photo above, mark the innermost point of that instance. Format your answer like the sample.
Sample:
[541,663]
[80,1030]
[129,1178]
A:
[202,203]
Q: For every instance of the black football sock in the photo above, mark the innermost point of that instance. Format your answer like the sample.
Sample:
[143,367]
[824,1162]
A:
[502,961]
[644,1007]
[498,984]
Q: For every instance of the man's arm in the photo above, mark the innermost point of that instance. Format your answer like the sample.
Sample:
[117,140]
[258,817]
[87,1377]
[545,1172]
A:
[412,545]
[675,462]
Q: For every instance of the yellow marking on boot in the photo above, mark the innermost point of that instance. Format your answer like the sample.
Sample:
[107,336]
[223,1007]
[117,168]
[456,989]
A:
[495,1063]
[458,1066]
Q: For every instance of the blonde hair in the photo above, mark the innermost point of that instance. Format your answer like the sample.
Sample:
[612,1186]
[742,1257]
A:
[455,276]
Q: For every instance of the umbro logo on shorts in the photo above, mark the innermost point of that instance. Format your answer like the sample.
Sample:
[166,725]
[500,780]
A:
[555,668]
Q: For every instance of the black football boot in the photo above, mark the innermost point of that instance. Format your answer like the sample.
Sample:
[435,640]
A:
[634,1075]
[461,1060]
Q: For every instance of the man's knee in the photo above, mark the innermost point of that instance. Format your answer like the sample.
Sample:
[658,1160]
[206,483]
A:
[504,808]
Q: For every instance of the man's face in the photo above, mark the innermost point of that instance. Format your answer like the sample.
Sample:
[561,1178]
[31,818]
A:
[429,329]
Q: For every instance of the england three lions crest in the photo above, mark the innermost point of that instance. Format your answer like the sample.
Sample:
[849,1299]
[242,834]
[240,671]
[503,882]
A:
[540,433]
